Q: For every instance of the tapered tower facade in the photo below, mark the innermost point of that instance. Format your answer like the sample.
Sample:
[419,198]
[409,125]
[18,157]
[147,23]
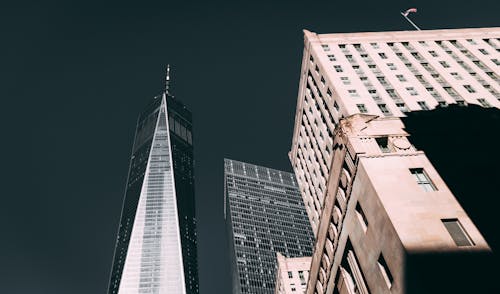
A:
[156,247]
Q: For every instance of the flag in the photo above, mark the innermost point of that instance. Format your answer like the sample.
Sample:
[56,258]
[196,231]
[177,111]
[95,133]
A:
[409,11]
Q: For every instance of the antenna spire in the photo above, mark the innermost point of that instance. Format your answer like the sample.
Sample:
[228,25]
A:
[167,80]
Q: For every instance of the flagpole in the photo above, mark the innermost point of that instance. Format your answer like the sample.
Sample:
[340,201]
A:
[409,20]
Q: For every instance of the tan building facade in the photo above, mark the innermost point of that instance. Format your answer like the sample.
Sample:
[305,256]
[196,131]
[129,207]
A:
[385,74]
[292,274]
[384,201]
[376,204]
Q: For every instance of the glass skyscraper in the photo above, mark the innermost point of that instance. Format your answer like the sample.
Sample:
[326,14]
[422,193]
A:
[264,215]
[156,244]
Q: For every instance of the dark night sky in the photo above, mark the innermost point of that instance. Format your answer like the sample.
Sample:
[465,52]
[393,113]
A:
[75,76]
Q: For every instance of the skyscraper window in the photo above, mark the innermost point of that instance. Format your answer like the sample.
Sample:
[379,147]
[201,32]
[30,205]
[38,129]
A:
[265,210]
[469,89]
[422,179]
[457,232]
[362,108]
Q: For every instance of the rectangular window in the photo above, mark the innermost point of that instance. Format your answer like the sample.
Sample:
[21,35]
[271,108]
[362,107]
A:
[450,91]
[423,105]
[290,275]
[392,66]
[332,57]
[361,217]
[351,271]
[335,105]
[422,179]
[492,75]
[401,78]
[382,55]
[325,47]
[412,91]
[353,93]
[416,55]
[383,144]
[382,80]
[456,76]
[384,109]
[444,64]
[384,269]
[374,45]
[402,107]
[457,232]
[483,51]
[345,80]
[392,93]
[362,108]
[433,53]
[483,102]
[420,78]
[469,89]
[338,68]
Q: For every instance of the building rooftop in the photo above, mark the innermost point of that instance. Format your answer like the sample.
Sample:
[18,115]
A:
[399,36]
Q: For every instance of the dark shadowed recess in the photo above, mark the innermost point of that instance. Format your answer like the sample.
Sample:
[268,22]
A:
[462,144]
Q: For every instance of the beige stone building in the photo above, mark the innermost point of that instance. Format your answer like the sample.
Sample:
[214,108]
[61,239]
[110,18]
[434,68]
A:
[376,204]
[292,274]
[385,74]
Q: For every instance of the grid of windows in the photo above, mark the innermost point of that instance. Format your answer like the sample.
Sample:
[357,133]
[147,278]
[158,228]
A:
[265,214]
[392,74]
[398,76]
[418,61]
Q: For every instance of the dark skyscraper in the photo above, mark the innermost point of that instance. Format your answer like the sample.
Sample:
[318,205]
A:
[264,214]
[156,243]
